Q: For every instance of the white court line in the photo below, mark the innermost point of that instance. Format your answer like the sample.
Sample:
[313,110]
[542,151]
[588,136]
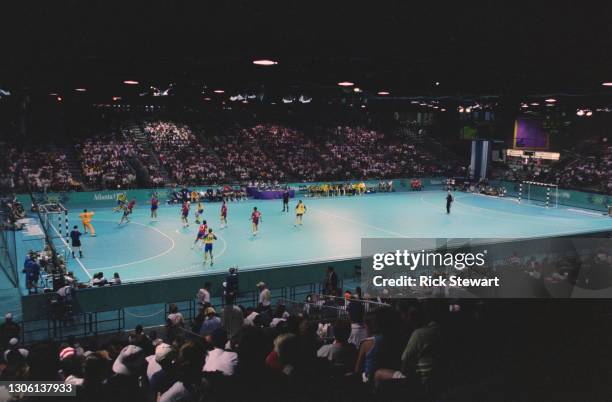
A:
[130,264]
[68,246]
[144,259]
[358,223]
[580,211]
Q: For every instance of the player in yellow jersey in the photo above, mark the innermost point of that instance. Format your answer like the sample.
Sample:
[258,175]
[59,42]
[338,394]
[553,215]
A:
[86,220]
[300,210]
[208,246]
[121,201]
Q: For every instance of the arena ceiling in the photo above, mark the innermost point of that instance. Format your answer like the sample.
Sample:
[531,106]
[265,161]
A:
[410,49]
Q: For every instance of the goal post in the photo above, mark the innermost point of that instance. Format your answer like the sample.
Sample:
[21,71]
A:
[55,220]
[538,193]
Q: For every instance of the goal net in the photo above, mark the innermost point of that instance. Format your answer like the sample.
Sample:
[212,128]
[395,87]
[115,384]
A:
[544,194]
[54,219]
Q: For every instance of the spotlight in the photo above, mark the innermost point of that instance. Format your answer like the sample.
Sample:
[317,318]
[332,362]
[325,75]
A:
[265,62]
[460,109]
[589,113]
[580,112]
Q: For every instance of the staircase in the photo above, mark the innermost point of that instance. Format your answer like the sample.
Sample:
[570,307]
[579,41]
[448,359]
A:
[139,137]
[72,160]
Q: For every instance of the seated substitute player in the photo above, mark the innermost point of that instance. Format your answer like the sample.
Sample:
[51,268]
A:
[255,219]
[300,210]
[121,201]
[208,246]
[128,211]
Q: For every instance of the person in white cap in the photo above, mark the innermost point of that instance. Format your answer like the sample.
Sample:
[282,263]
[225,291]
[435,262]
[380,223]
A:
[127,384]
[161,371]
[14,347]
[265,297]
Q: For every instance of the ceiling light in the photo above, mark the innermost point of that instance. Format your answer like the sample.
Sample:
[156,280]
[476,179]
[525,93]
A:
[346,84]
[460,109]
[383,93]
[437,83]
[130,82]
[80,89]
[535,104]
[550,100]
[443,110]
[53,94]
[116,98]
[219,91]
[580,112]
[59,98]
[265,62]
[357,89]
[207,99]
[607,84]
[589,113]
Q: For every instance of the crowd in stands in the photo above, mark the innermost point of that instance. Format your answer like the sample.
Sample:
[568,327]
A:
[104,162]
[591,172]
[186,159]
[261,354]
[243,158]
[590,169]
[44,169]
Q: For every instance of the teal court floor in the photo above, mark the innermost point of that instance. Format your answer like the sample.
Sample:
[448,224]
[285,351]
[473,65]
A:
[147,249]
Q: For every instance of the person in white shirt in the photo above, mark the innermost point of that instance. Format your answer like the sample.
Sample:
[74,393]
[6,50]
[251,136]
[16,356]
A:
[203,295]
[220,359]
[265,297]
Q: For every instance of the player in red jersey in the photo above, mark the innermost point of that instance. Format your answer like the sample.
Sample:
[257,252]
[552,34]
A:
[202,232]
[128,211]
[255,219]
[224,215]
[185,214]
[154,206]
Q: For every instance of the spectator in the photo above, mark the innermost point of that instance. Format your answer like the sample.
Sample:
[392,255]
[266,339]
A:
[341,352]
[265,297]
[8,329]
[219,359]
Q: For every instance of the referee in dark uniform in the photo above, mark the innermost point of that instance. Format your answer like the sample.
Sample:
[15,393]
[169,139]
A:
[449,201]
[286,200]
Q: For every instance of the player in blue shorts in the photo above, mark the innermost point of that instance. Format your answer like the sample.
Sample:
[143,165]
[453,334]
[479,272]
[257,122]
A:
[208,246]
[199,212]
[154,206]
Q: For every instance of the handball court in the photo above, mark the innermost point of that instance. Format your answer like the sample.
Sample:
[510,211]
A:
[147,249]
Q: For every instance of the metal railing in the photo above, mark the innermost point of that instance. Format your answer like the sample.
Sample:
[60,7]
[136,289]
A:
[59,327]
[80,325]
